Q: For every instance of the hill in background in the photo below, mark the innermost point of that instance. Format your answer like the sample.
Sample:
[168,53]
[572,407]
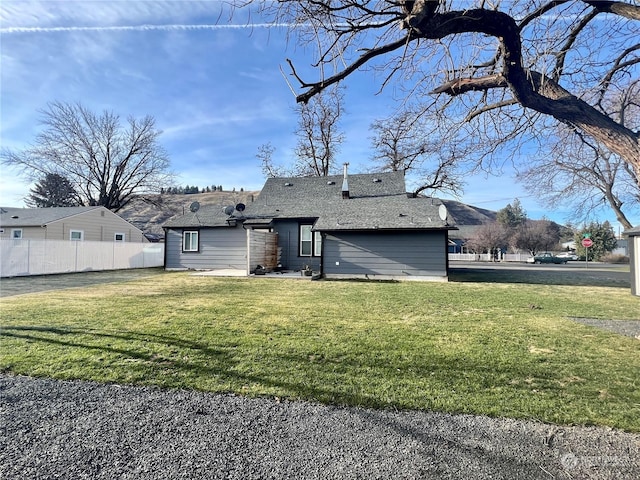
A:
[467,218]
[151,212]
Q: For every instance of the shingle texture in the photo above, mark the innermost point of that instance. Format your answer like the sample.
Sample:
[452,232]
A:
[376,201]
[206,216]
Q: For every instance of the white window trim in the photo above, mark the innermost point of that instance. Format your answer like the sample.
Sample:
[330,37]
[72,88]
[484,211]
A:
[316,242]
[301,241]
[81,232]
[115,237]
[13,233]
[184,238]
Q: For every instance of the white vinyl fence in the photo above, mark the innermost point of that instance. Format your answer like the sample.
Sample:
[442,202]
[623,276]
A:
[40,257]
[486,257]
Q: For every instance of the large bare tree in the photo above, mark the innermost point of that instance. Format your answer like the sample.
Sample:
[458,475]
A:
[105,162]
[319,138]
[410,143]
[319,135]
[489,237]
[536,236]
[583,177]
[504,67]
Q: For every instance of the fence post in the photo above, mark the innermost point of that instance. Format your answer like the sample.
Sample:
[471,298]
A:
[29,256]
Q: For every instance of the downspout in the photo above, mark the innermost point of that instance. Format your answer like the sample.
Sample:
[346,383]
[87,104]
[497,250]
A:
[164,261]
[248,247]
[446,251]
[323,236]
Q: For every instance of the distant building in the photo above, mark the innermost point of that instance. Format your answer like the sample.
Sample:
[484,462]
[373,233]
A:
[67,223]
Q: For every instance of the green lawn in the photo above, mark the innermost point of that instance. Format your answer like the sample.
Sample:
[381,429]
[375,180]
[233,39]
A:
[496,349]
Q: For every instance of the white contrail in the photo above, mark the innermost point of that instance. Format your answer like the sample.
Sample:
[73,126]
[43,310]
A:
[141,28]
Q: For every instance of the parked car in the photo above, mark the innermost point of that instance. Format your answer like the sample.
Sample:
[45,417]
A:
[568,256]
[546,257]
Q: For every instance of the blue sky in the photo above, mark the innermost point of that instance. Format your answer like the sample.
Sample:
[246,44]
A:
[213,84]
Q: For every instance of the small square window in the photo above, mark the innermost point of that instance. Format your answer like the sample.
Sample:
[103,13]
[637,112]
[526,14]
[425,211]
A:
[76,235]
[16,233]
[119,237]
[190,241]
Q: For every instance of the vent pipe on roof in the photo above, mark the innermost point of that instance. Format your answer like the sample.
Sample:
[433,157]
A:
[345,183]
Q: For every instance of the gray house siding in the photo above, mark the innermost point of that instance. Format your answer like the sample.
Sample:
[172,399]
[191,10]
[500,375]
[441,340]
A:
[386,255]
[289,245]
[219,248]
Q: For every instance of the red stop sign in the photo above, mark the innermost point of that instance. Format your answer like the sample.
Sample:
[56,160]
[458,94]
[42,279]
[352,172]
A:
[587,242]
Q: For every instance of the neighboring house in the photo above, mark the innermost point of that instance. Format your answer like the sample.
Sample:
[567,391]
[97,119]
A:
[357,226]
[468,219]
[622,247]
[67,223]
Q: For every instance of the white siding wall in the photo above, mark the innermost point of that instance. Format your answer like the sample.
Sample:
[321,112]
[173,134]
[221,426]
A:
[97,225]
[635,277]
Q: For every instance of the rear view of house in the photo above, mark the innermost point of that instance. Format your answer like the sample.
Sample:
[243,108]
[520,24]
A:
[349,226]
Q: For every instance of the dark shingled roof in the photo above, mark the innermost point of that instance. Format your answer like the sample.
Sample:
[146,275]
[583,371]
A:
[387,213]
[206,216]
[467,218]
[376,201]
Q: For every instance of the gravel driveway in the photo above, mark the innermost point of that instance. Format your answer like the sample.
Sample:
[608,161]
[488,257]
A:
[75,430]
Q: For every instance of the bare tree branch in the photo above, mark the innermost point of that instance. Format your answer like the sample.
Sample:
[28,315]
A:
[108,163]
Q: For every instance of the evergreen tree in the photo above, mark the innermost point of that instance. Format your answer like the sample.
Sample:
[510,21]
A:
[602,236]
[512,216]
[53,190]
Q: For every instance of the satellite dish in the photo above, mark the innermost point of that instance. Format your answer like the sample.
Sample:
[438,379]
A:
[442,212]
[240,207]
[228,210]
[194,207]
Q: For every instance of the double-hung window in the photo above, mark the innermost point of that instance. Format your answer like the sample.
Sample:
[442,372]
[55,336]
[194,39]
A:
[310,242]
[190,241]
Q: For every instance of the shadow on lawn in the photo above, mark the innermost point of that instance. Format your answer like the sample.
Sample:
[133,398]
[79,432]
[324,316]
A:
[169,361]
[171,357]
[533,275]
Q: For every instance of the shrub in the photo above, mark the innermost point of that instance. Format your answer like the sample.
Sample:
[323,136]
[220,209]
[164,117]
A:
[614,258]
